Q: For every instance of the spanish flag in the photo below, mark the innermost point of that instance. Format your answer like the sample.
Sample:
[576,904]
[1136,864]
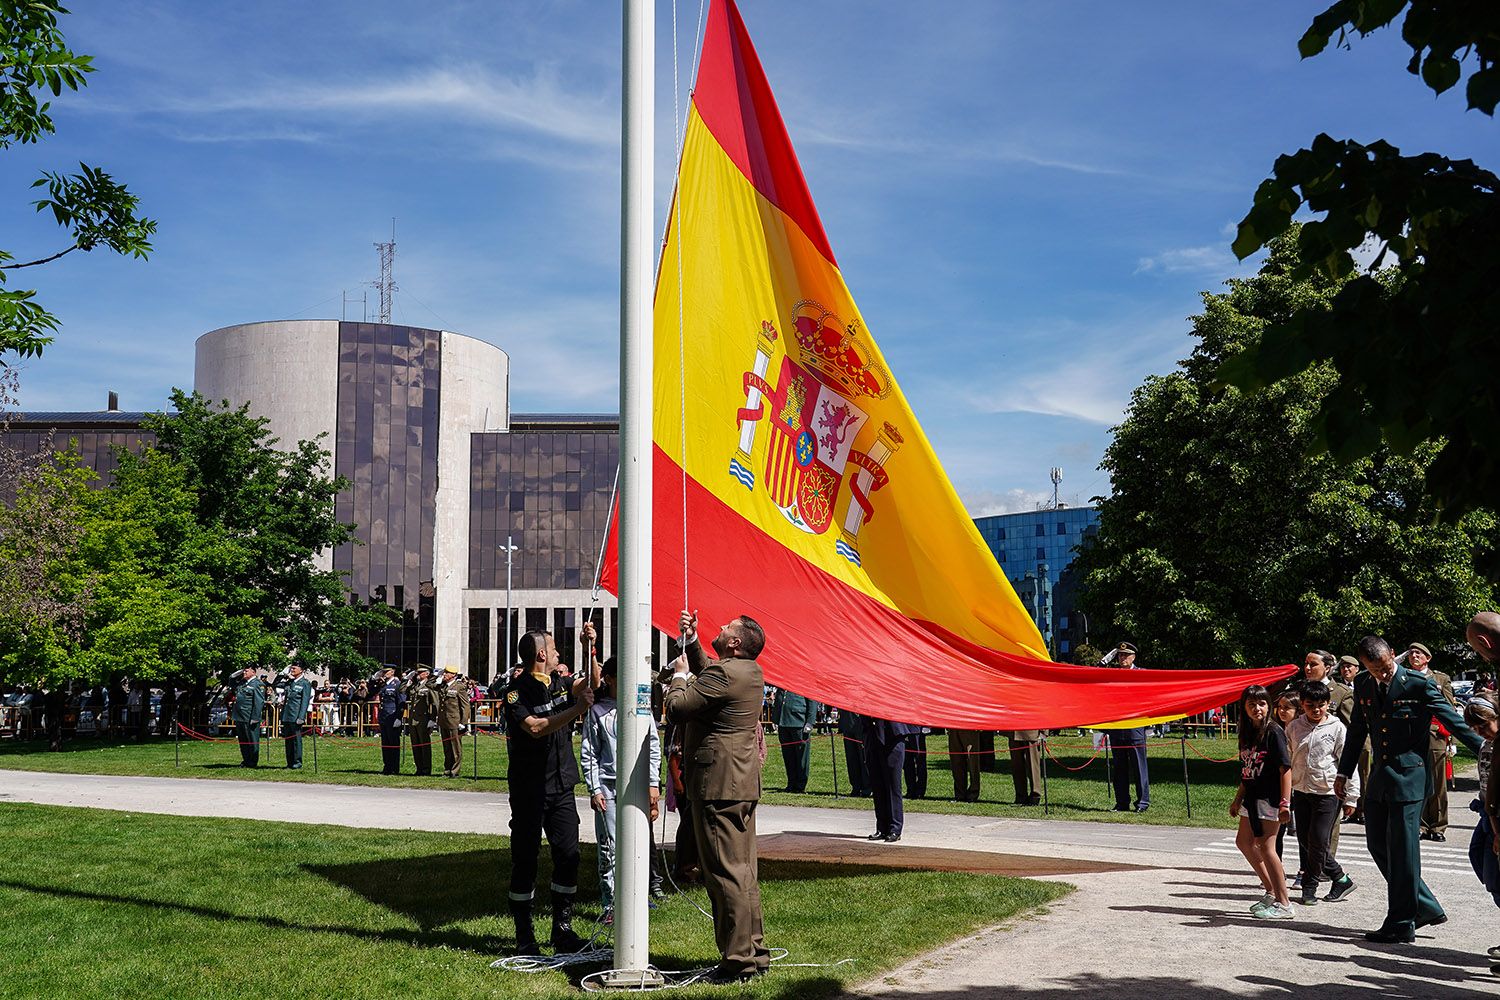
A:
[814,502]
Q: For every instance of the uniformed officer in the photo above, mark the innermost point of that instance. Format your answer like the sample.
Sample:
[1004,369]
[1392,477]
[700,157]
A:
[453,718]
[795,715]
[1394,706]
[248,694]
[542,772]
[299,698]
[1025,766]
[421,717]
[389,708]
[1129,748]
[1435,811]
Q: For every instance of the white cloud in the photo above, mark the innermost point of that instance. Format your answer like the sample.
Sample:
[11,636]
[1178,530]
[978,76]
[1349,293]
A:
[537,104]
[984,503]
[1213,259]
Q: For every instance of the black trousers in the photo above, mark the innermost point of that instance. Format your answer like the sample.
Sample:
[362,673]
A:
[390,746]
[1129,748]
[854,764]
[915,766]
[685,854]
[293,733]
[884,765]
[1316,817]
[532,811]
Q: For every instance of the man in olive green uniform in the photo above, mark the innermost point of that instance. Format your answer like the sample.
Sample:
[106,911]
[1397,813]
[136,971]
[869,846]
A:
[247,694]
[1394,707]
[1025,765]
[422,703]
[720,712]
[795,715]
[299,697]
[1435,811]
[963,761]
[453,718]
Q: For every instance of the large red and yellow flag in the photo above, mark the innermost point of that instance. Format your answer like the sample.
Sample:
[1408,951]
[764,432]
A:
[814,502]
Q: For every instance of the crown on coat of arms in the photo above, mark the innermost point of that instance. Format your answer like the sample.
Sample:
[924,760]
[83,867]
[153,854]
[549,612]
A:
[833,350]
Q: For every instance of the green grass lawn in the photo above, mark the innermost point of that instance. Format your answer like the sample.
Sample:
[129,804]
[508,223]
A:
[109,904]
[1080,794]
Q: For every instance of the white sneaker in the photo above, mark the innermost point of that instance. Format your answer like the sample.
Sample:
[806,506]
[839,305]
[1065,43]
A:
[1273,912]
[1262,902]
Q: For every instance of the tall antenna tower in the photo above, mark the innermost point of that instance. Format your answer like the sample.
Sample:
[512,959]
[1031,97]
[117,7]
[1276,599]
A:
[386,284]
[1056,486]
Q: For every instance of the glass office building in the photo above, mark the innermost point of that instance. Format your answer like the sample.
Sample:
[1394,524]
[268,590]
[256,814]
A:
[1035,549]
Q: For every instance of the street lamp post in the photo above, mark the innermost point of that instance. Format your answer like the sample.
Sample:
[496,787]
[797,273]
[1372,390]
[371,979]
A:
[510,551]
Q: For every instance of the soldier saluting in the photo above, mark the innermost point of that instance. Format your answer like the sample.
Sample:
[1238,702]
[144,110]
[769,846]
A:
[299,698]
[422,704]
[247,694]
[453,716]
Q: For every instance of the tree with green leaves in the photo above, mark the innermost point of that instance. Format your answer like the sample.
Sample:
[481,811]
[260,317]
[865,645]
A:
[96,210]
[1414,345]
[1229,540]
[198,557]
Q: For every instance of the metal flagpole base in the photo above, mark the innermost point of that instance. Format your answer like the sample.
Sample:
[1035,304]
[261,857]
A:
[631,979]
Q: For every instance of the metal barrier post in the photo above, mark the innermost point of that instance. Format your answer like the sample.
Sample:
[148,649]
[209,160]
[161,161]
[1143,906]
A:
[177,734]
[315,750]
[474,731]
[1187,790]
[833,753]
[1041,748]
[1109,769]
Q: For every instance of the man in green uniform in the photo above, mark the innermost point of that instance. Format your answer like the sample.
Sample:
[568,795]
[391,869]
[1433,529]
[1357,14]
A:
[795,715]
[247,700]
[299,697]
[421,716]
[1394,706]
[453,718]
[1435,812]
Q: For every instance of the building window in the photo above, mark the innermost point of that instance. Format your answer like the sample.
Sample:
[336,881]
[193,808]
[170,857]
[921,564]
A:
[1041,554]
[1002,534]
[1062,529]
[1001,557]
[1062,623]
[479,644]
[536,621]
[565,634]
[1065,646]
[1041,529]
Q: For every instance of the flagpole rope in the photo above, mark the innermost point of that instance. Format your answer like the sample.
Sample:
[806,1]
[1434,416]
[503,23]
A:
[678,128]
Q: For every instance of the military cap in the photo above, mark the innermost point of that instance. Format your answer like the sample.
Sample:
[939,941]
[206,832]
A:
[423,668]
[1352,661]
[1420,649]
[1125,647]
[450,670]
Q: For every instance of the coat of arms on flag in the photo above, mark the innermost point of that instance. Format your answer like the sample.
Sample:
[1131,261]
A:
[815,422]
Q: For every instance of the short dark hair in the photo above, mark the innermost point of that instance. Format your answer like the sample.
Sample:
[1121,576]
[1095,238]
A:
[1315,691]
[609,668]
[1372,647]
[752,637]
[1330,662]
[531,644]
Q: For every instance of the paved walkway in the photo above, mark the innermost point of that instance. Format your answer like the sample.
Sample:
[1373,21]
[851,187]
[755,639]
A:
[1161,912]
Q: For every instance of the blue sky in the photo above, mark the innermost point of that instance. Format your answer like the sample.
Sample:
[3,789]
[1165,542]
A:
[1026,199]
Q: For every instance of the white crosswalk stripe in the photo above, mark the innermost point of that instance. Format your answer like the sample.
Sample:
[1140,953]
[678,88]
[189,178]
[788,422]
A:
[1353,851]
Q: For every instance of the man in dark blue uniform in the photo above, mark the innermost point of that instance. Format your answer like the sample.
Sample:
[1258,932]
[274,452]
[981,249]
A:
[1395,706]
[392,703]
[539,713]
[1129,749]
[885,753]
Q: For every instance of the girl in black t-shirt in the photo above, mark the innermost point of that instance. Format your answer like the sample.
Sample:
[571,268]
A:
[1263,800]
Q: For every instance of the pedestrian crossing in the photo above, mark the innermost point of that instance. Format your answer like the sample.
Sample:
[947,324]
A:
[1451,857]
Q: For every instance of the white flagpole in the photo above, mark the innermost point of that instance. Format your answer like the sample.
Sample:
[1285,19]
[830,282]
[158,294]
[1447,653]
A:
[634,778]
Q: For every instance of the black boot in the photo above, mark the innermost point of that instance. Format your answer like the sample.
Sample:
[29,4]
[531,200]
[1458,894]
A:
[520,912]
[563,938]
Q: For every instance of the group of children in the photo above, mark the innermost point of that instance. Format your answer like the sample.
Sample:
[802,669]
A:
[1289,756]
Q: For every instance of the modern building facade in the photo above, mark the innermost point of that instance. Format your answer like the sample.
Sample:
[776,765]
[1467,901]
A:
[464,510]
[1035,549]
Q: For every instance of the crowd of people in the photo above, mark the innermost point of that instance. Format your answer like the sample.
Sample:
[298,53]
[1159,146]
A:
[1320,752]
